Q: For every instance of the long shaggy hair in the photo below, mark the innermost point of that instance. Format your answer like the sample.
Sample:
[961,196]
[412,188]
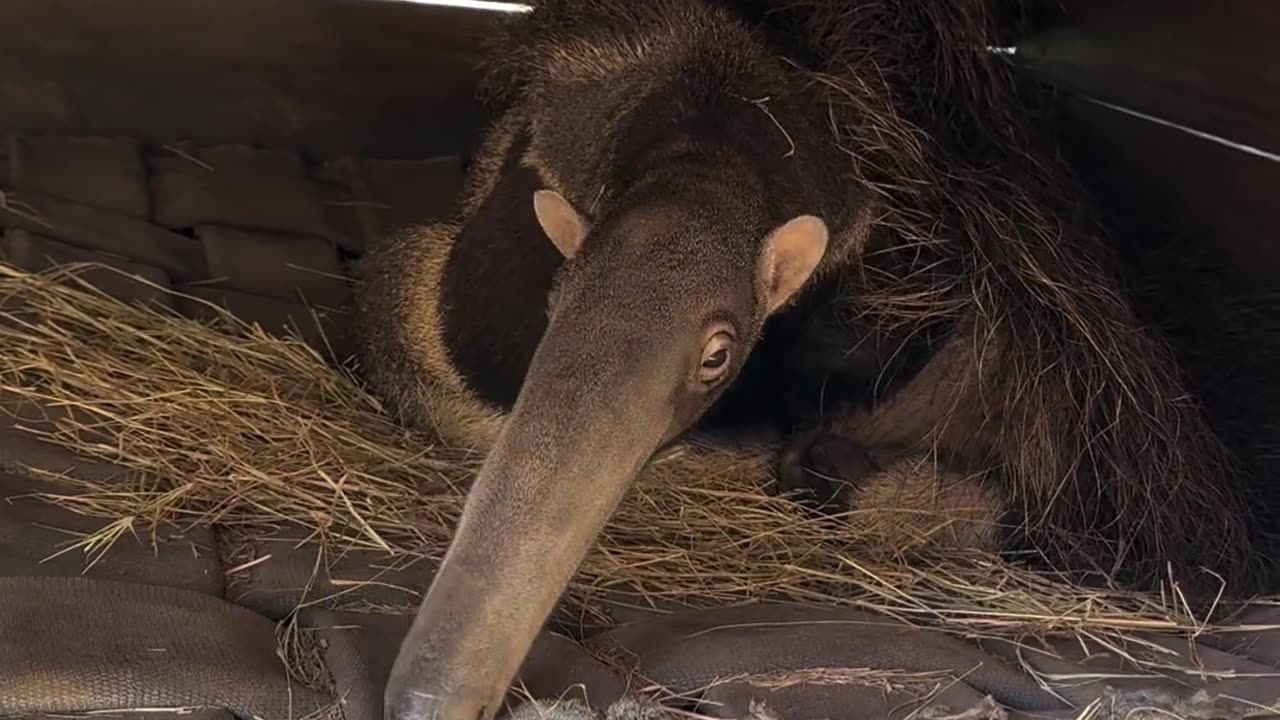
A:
[1107,452]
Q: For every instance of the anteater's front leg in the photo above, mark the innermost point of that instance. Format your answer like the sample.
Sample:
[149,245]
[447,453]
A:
[897,496]
[818,468]
[451,313]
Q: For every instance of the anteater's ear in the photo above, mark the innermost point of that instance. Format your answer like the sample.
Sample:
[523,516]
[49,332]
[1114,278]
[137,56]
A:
[791,252]
[564,226]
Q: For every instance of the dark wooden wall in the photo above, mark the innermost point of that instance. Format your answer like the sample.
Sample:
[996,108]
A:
[372,77]
[1210,66]
[393,79]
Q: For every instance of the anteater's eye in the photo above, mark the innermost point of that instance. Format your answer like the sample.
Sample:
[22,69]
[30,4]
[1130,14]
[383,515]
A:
[715,357]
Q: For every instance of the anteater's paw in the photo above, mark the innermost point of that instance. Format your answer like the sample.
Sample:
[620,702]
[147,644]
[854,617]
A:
[816,469]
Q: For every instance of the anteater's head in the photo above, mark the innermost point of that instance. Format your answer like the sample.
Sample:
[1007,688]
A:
[654,312]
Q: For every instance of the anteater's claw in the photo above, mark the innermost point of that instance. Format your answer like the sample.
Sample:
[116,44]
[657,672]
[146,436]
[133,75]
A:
[817,468]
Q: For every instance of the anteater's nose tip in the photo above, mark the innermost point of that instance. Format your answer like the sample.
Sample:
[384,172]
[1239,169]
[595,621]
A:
[424,705]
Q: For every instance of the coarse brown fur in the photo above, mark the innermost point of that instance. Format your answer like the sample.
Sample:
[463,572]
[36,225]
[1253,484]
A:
[1088,414]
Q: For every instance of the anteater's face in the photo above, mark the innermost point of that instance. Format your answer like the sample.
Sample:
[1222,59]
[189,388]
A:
[657,309]
[654,313]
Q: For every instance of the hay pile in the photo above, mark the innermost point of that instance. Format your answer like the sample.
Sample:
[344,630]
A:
[221,424]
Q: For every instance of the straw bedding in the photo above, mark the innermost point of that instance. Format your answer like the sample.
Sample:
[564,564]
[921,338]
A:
[220,423]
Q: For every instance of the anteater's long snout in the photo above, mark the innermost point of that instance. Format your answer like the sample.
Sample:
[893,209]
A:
[578,435]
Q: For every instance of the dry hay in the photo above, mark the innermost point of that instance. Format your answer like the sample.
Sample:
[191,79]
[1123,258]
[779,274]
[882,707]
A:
[220,423]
